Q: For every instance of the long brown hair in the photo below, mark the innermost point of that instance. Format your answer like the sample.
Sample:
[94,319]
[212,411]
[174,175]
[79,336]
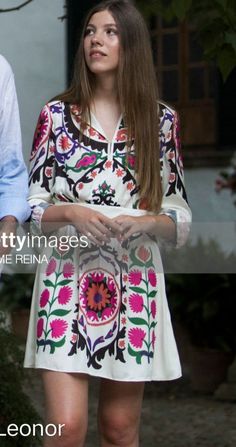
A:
[137,90]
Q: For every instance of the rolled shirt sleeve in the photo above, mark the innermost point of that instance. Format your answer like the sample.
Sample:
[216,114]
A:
[13,173]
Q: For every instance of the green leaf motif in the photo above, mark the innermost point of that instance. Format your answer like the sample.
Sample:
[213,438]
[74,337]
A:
[42,313]
[60,312]
[135,354]
[154,323]
[56,344]
[64,282]
[55,254]
[138,321]
[152,294]
[134,259]
[48,283]
[138,290]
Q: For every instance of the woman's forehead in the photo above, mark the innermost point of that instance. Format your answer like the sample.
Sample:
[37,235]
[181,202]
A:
[102,18]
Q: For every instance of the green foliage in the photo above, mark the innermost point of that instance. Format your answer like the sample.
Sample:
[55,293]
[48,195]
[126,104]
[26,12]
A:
[16,290]
[205,305]
[15,405]
[215,23]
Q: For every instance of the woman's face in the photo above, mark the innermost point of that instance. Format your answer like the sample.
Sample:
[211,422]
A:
[102,44]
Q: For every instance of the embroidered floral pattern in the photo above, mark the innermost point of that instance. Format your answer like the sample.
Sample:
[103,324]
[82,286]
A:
[57,293]
[142,302]
[99,300]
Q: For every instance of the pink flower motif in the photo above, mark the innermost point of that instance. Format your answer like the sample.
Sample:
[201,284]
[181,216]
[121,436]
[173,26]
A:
[153,339]
[131,160]
[136,337]
[111,285]
[152,277]
[136,302]
[51,267]
[97,277]
[58,327]
[135,277]
[40,327]
[153,308]
[68,270]
[44,298]
[143,253]
[65,295]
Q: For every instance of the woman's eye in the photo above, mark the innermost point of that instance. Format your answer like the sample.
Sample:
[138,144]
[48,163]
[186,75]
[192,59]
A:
[88,32]
[111,31]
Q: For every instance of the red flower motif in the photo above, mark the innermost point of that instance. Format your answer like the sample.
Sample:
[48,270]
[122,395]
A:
[125,278]
[51,267]
[152,277]
[65,294]
[121,135]
[40,327]
[68,270]
[136,302]
[143,204]
[98,296]
[143,253]
[108,164]
[135,277]
[64,142]
[119,172]
[48,172]
[129,186]
[123,320]
[121,344]
[58,327]
[136,337]
[94,174]
[153,308]
[44,298]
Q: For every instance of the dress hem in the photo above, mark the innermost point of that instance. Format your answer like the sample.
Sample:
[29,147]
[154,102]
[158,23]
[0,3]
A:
[128,379]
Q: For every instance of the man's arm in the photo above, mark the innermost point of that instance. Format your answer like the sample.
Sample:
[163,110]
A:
[13,173]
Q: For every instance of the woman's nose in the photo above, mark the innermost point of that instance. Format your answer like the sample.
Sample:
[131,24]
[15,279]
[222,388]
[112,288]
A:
[97,39]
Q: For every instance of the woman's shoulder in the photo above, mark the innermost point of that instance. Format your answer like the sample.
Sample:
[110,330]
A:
[166,109]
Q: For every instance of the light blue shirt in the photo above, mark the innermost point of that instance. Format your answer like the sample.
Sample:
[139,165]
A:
[13,173]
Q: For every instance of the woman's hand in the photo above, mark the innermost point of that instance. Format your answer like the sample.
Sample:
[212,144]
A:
[160,226]
[97,227]
[129,225]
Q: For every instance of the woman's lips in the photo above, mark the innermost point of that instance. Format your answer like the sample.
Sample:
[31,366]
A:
[96,54]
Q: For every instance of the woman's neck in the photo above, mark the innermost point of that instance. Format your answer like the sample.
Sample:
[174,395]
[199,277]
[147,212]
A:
[106,90]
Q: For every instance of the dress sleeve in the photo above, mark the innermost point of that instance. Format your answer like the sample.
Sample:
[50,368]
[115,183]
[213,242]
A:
[42,169]
[174,202]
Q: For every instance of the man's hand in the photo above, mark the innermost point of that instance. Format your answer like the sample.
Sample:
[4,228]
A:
[7,227]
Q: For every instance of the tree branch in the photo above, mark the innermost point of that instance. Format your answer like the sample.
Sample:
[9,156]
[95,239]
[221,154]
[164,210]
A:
[16,8]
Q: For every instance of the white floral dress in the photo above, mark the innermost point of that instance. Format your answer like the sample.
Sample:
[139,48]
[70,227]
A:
[102,310]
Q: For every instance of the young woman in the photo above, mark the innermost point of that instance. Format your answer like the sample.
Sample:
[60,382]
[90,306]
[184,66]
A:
[106,160]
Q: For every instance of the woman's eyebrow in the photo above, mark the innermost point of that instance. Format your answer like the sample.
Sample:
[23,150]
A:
[90,25]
